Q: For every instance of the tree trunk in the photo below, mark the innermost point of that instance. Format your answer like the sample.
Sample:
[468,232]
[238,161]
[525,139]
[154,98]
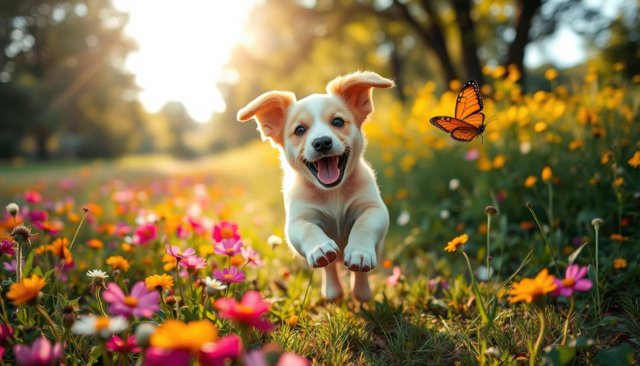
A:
[397,69]
[527,9]
[469,47]
[432,36]
[42,144]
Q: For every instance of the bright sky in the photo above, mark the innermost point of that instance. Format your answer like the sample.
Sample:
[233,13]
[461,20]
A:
[183,45]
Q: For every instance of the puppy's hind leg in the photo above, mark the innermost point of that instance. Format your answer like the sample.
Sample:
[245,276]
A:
[360,286]
[331,287]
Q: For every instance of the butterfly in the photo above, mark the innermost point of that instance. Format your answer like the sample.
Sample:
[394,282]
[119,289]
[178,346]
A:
[468,122]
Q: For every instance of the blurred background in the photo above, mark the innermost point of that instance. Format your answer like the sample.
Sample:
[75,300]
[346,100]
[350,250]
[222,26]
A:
[101,79]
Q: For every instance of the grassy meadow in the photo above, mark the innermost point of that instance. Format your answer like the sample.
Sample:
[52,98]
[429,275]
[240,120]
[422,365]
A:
[137,261]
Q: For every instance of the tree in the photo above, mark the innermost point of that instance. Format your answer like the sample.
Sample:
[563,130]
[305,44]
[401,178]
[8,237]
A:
[66,59]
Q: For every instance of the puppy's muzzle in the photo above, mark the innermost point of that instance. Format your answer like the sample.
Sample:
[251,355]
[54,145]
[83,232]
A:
[322,144]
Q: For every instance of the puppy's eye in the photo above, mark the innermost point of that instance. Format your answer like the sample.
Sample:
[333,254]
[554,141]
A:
[337,122]
[300,130]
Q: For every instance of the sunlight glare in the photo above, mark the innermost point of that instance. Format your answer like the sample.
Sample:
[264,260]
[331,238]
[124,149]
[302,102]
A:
[182,48]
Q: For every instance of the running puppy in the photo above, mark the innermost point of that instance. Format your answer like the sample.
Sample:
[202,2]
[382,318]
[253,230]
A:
[333,205]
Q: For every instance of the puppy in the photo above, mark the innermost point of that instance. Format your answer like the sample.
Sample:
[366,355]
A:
[333,205]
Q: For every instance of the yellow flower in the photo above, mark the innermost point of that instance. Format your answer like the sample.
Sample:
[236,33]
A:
[619,263]
[606,157]
[163,281]
[618,66]
[618,182]
[575,144]
[528,290]
[635,160]
[402,194]
[550,74]
[174,334]
[118,262]
[547,174]
[26,290]
[169,261]
[498,161]
[530,181]
[453,245]
[408,162]
[540,126]
[293,320]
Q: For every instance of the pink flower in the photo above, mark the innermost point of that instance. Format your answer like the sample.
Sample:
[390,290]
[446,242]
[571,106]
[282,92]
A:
[193,263]
[216,354]
[225,230]
[40,353]
[228,247]
[395,277]
[7,247]
[574,281]
[119,345]
[32,197]
[162,357]
[141,301]
[178,253]
[181,232]
[259,358]
[472,155]
[249,311]
[196,225]
[145,233]
[37,215]
[6,332]
[229,275]
[251,256]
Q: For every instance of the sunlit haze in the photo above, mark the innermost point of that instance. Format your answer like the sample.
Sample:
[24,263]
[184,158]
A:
[182,48]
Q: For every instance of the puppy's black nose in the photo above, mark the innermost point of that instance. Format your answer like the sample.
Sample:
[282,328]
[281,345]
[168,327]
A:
[322,144]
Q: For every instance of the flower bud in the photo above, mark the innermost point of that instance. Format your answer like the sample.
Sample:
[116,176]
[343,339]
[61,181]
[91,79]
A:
[529,205]
[69,316]
[170,300]
[13,209]
[490,210]
[597,222]
[21,234]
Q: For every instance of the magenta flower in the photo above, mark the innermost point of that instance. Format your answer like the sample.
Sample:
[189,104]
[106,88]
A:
[119,345]
[574,281]
[161,357]
[249,311]
[225,230]
[193,263]
[197,226]
[228,247]
[178,253]
[6,332]
[395,277]
[7,247]
[229,275]
[251,256]
[141,301]
[40,353]
[259,358]
[145,233]
[37,215]
[217,354]
[32,196]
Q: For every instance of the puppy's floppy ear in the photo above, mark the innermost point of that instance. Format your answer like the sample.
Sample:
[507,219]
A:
[356,90]
[270,110]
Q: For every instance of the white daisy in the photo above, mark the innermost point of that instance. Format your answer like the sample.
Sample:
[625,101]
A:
[97,273]
[274,240]
[103,326]
[213,285]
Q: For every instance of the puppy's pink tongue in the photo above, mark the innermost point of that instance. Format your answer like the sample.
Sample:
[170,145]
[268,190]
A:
[328,171]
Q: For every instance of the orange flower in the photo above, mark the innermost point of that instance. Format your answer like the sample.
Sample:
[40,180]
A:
[526,225]
[169,261]
[547,174]
[95,243]
[529,290]
[26,290]
[530,181]
[620,263]
[635,160]
[619,237]
[453,245]
[118,262]
[174,334]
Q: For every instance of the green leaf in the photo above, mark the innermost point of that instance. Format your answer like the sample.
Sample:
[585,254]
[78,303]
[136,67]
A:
[557,355]
[621,355]
[573,256]
[581,342]
[94,355]
[28,264]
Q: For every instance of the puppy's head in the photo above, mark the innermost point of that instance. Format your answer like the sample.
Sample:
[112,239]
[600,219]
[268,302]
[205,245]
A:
[320,135]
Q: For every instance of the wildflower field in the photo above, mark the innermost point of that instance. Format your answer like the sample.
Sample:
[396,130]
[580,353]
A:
[520,247]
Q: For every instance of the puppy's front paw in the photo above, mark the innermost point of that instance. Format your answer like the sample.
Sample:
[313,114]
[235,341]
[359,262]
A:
[360,259]
[323,254]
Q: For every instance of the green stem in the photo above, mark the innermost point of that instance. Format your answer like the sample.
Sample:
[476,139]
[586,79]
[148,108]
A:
[476,292]
[52,325]
[19,262]
[306,292]
[179,289]
[78,229]
[546,241]
[550,205]
[598,304]
[99,300]
[566,323]
[488,256]
[536,347]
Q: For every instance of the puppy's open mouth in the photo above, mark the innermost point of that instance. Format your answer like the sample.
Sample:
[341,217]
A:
[329,170]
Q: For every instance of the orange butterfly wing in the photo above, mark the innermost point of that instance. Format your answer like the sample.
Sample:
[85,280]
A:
[469,121]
